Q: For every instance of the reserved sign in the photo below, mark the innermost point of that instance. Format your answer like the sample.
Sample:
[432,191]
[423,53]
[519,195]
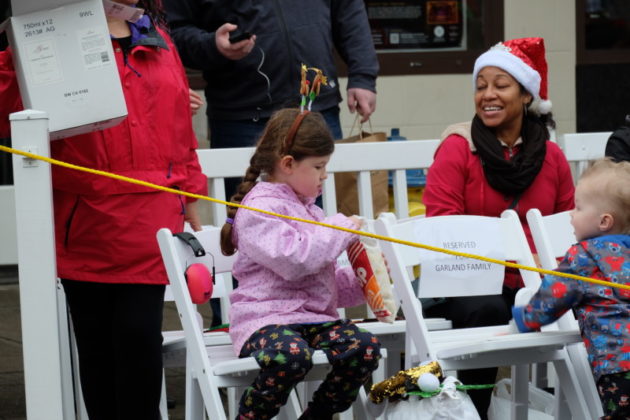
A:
[444,275]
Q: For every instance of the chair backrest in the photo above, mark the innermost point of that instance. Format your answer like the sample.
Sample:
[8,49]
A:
[177,255]
[552,235]
[512,244]
[580,148]
[363,158]
[180,255]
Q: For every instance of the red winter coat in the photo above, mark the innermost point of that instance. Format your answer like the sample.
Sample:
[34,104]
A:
[456,184]
[105,229]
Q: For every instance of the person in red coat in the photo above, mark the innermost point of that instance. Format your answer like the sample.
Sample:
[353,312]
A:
[107,254]
[501,160]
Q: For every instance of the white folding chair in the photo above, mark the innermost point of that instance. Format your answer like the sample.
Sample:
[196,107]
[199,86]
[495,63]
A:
[553,235]
[471,348]
[210,367]
[580,148]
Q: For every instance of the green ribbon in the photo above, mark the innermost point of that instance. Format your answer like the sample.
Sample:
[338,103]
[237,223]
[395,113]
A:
[425,394]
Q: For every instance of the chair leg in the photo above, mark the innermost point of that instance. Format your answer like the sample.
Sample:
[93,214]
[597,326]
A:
[562,410]
[578,356]
[292,409]
[569,385]
[194,400]
[347,415]
[520,392]
[163,403]
[233,396]
[540,377]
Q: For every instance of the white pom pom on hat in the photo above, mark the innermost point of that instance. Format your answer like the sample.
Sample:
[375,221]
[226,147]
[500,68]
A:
[524,59]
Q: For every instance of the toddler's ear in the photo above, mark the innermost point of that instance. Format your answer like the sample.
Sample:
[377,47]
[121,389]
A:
[606,222]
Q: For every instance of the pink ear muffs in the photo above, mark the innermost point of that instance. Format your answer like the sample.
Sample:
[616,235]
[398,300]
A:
[199,281]
[198,277]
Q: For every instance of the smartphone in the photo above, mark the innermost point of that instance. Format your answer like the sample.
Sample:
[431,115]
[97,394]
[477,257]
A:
[236,36]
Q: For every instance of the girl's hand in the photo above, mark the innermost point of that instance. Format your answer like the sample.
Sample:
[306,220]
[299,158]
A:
[358,221]
[389,271]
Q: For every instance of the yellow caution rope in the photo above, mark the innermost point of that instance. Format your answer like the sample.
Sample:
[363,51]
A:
[313,222]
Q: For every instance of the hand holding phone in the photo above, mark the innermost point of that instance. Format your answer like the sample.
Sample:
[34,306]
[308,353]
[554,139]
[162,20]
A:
[237,36]
[233,43]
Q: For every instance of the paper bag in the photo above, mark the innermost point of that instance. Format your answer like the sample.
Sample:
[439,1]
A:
[346,182]
[369,266]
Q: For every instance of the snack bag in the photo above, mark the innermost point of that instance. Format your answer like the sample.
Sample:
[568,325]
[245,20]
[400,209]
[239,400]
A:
[368,265]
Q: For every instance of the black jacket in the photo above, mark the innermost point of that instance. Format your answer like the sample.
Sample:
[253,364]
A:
[618,145]
[289,33]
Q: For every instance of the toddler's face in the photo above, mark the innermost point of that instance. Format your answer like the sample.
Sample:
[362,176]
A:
[308,175]
[587,214]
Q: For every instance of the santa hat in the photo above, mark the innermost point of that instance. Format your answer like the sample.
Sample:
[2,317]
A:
[524,59]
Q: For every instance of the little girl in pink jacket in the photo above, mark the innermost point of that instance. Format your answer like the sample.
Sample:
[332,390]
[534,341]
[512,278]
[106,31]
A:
[289,285]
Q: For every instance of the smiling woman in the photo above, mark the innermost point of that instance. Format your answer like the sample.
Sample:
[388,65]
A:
[503,159]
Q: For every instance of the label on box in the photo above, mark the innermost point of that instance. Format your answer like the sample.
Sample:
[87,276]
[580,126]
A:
[43,62]
[93,46]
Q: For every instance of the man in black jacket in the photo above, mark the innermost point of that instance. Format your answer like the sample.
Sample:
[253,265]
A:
[249,79]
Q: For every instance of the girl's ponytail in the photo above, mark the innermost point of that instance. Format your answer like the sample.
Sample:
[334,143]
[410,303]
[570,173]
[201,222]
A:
[252,174]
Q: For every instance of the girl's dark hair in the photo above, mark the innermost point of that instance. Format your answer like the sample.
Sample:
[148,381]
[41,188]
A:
[312,138]
[154,9]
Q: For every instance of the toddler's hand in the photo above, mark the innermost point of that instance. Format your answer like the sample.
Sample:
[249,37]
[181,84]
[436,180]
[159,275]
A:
[358,221]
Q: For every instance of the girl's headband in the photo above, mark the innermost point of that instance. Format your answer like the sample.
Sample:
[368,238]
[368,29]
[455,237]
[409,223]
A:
[288,143]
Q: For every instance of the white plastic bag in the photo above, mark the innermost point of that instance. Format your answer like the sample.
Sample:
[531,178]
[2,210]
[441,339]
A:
[449,404]
[541,403]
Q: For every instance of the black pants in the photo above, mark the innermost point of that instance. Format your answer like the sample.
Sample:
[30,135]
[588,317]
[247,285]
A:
[477,311]
[614,390]
[118,329]
[284,353]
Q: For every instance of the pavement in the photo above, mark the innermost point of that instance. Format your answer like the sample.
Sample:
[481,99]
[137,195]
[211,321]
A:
[12,395]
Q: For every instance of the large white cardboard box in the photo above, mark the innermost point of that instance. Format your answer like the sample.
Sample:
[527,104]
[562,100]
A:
[65,64]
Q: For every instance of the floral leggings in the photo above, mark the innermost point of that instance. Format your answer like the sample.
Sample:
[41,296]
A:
[614,391]
[284,353]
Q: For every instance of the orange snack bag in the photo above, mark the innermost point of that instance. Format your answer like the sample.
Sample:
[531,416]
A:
[368,265]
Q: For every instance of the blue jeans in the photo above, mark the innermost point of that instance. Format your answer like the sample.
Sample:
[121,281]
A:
[245,133]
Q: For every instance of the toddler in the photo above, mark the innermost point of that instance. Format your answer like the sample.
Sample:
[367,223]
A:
[285,305]
[601,220]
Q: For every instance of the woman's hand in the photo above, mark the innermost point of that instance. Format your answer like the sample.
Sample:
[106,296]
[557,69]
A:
[195,101]
[191,215]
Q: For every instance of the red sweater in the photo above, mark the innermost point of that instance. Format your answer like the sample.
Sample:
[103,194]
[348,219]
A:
[456,185]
